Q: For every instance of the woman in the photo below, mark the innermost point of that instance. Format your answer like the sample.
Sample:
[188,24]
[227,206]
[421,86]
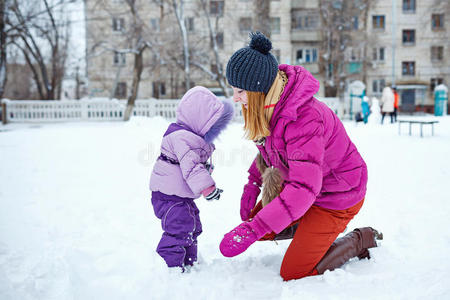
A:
[387,102]
[321,176]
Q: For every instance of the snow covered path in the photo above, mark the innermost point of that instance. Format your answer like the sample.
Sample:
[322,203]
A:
[76,220]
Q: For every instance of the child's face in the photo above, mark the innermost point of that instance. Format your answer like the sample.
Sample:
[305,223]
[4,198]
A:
[240,95]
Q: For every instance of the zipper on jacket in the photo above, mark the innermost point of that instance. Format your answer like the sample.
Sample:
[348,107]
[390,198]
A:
[261,145]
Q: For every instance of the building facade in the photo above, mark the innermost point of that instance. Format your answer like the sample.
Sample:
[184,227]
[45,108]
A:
[395,42]
[413,50]
[110,67]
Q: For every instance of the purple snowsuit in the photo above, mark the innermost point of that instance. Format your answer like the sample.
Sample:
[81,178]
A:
[181,172]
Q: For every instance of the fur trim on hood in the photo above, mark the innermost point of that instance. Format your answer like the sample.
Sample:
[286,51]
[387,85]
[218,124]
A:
[221,123]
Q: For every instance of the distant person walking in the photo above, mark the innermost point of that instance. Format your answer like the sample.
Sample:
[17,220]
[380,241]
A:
[394,90]
[365,109]
[387,104]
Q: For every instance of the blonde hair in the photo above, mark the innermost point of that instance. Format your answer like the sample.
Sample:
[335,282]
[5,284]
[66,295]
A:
[256,124]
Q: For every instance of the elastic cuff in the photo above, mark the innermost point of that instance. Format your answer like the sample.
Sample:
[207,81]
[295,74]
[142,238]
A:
[259,227]
[208,191]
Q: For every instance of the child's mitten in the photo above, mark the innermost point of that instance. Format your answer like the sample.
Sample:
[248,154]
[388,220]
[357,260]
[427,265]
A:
[248,200]
[214,194]
[240,238]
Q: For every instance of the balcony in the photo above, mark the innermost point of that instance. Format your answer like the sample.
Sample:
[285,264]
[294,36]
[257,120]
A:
[306,35]
[304,4]
[354,67]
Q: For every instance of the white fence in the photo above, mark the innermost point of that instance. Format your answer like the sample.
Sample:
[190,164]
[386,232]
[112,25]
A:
[23,111]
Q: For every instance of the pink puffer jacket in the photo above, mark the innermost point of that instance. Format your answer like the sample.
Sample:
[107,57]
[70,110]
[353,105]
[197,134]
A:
[308,143]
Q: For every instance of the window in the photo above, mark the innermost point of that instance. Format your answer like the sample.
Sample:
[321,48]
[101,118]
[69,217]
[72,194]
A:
[355,24]
[275,25]
[408,37]
[311,55]
[245,25]
[378,86]
[409,6]
[296,22]
[214,69]
[276,53]
[330,71]
[434,82]
[437,53]
[118,24]
[311,21]
[159,89]
[381,54]
[308,55]
[437,21]
[121,90]
[378,54]
[219,40]
[304,20]
[216,8]
[408,68]
[378,22]
[189,24]
[119,59]
[354,54]
[154,24]
[299,57]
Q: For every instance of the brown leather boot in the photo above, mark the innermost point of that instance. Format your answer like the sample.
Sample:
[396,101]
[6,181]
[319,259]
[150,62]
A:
[353,244]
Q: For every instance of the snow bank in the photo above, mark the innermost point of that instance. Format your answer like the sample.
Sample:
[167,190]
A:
[76,220]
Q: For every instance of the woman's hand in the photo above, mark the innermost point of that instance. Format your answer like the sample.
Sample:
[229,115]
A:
[243,236]
[248,200]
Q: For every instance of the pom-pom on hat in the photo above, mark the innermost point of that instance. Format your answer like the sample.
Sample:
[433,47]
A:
[253,68]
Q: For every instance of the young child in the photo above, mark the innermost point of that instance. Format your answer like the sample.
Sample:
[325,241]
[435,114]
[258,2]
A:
[182,173]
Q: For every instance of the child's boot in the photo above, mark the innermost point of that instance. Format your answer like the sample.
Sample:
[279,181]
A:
[191,255]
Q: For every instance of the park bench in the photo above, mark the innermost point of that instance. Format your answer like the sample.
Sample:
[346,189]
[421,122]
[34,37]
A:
[420,122]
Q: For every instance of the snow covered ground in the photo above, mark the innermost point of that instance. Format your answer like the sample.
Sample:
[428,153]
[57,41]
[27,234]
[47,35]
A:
[76,220]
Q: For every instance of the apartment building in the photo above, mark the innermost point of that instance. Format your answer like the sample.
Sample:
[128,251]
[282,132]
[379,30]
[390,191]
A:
[415,58]
[110,68]
[412,50]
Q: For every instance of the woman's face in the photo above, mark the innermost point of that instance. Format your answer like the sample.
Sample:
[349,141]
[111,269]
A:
[240,95]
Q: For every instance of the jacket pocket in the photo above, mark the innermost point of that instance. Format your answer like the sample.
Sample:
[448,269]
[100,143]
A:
[343,181]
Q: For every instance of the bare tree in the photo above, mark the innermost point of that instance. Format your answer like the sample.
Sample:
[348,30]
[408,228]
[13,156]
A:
[140,45]
[218,73]
[344,42]
[178,9]
[262,16]
[43,42]
[135,39]
[3,72]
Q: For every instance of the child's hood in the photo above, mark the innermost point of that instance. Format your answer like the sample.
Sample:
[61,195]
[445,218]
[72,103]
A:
[204,113]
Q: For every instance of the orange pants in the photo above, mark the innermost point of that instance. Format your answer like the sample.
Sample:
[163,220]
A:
[317,229]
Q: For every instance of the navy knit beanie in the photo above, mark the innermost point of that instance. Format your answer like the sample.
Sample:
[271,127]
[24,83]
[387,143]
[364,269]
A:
[253,68]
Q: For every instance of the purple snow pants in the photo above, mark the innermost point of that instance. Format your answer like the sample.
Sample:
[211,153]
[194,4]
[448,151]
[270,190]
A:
[180,221]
